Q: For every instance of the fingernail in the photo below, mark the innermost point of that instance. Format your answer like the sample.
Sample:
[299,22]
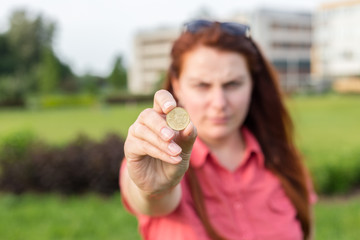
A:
[174,148]
[167,133]
[176,159]
[169,104]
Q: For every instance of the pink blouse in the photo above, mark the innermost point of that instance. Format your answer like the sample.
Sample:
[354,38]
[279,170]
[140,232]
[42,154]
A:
[248,203]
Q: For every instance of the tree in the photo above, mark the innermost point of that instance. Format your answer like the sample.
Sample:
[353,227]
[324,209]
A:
[48,72]
[7,59]
[28,49]
[118,77]
[28,38]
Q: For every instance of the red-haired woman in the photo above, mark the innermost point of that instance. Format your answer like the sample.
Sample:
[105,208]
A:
[234,171]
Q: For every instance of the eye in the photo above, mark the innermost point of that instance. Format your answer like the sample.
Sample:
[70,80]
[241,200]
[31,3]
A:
[202,85]
[233,84]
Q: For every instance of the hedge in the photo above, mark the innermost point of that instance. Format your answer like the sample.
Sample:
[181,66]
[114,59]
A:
[28,164]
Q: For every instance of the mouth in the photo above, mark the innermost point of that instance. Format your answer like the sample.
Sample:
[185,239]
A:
[219,120]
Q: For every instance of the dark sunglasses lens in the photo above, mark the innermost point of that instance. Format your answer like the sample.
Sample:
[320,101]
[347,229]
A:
[195,26]
[236,29]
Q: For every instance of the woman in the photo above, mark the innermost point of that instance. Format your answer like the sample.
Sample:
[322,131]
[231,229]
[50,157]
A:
[234,171]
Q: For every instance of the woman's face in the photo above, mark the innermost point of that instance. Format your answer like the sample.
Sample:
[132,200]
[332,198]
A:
[215,88]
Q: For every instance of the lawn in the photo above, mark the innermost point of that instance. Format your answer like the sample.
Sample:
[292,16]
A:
[324,124]
[61,125]
[328,134]
[327,126]
[43,217]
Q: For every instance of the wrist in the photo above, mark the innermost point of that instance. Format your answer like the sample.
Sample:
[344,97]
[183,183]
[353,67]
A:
[160,194]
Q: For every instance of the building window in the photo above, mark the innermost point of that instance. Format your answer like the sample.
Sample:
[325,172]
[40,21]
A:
[304,66]
[280,65]
[291,45]
[290,26]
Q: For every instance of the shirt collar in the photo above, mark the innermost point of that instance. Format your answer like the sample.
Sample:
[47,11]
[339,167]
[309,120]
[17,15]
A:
[200,151]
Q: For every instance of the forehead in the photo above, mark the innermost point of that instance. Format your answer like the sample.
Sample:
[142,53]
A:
[209,63]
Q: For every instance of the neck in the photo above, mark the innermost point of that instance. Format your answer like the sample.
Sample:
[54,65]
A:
[234,140]
[228,151]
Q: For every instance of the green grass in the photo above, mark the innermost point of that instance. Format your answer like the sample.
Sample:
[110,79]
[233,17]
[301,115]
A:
[324,124]
[328,134]
[327,124]
[37,217]
[338,219]
[58,126]
[44,217]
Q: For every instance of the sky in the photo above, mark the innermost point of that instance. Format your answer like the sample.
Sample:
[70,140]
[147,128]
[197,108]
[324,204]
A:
[90,33]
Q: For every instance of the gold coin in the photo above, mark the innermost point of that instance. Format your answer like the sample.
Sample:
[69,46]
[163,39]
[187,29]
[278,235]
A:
[177,119]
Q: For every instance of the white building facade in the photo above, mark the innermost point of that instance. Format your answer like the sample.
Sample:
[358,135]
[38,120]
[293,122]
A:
[285,38]
[151,58]
[336,51]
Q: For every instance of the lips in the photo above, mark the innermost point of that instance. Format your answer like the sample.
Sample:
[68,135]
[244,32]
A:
[219,120]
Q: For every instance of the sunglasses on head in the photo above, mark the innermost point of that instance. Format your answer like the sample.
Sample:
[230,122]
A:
[232,28]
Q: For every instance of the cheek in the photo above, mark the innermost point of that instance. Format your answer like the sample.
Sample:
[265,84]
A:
[241,102]
[246,95]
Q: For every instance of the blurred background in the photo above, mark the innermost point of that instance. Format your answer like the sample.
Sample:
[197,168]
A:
[74,75]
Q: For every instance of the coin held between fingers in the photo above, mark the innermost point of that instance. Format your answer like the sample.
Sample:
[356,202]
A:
[178,119]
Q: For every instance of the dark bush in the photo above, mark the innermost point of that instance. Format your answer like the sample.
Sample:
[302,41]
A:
[83,165]
[338,177]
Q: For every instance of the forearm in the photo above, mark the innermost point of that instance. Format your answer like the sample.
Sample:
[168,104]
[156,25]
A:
[158,204]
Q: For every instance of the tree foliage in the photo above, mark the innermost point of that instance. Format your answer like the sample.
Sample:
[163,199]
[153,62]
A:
[49,72]
[28,37]
[29,65]
[118,77]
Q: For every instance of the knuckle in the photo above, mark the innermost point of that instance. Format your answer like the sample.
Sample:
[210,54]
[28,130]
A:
[129,148]
[160,93]
[148,149]
[145,114]
[147,111]
[131,130]
[137,129]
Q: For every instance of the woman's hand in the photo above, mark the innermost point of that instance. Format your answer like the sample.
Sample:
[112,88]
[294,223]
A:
[157,156]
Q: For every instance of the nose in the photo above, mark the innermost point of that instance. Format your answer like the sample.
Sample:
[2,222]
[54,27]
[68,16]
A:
[219,99]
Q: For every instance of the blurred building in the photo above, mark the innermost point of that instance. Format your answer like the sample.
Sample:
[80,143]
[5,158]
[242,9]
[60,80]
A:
[151,57]
[336,49]
[285,38]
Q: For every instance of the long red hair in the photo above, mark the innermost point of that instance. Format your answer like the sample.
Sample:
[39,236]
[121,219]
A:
[267,119]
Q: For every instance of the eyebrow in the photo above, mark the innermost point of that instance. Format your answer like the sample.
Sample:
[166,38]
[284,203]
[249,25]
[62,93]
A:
[237,78]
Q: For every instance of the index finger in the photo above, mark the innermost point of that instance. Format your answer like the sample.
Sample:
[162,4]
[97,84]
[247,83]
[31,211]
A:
[164,102]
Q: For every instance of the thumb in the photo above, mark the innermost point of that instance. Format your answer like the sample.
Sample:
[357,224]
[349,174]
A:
[186,138]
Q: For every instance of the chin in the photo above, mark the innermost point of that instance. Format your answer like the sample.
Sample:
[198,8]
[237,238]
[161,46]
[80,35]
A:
[219,135]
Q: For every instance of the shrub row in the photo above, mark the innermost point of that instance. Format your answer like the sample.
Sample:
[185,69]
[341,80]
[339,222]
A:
[61,101]
[52,101]
[28,164]
[127,98]
[338,174]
